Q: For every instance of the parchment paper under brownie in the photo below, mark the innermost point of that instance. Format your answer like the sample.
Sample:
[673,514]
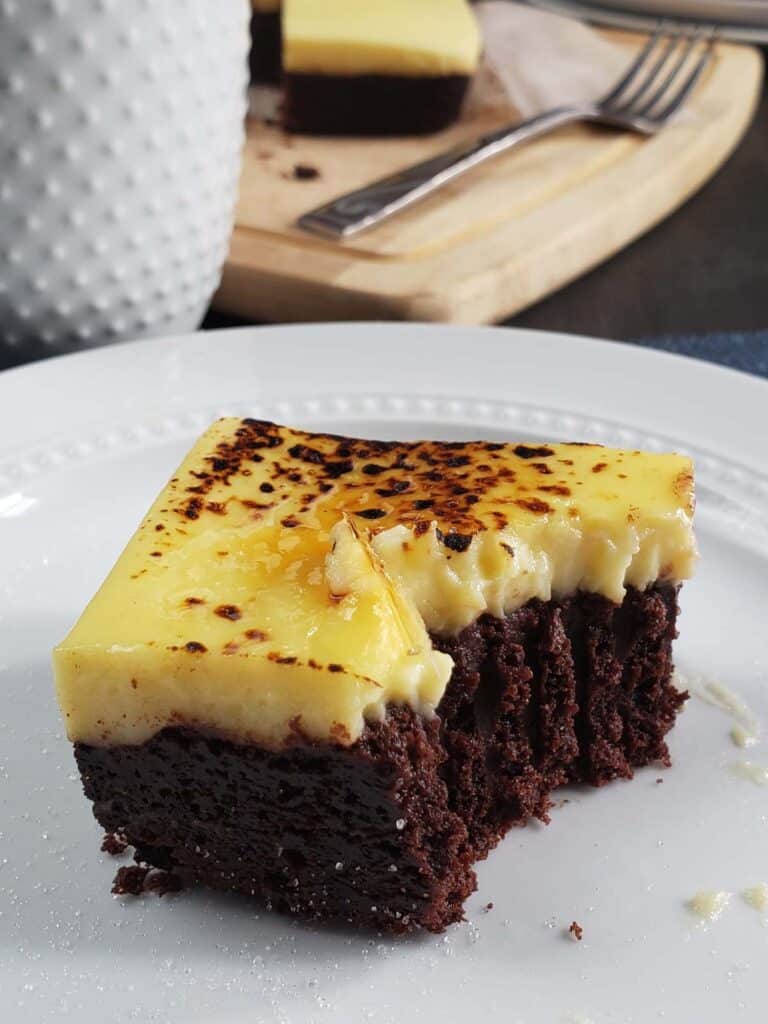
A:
[332,673]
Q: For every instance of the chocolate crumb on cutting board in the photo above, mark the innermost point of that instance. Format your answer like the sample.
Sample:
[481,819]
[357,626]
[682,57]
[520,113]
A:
[305,172]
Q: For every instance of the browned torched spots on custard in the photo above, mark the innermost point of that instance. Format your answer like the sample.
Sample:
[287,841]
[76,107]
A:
[535,505]
[560,489]
[256,634]
[282,659]
[459,489]
[301,574]
[417,482]
[228,611]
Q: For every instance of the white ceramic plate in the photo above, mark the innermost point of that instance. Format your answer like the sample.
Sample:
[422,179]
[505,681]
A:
[86,442]
[745,20]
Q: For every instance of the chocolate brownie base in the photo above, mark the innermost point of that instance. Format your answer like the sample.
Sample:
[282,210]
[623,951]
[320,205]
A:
[366,834]
[266,47]
[371,104]
[384,833]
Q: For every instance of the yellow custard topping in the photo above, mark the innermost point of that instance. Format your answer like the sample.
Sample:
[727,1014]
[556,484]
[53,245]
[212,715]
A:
[288,583]
[399,37]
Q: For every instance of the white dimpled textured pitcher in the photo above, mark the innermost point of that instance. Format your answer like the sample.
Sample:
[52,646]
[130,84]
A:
[121,130]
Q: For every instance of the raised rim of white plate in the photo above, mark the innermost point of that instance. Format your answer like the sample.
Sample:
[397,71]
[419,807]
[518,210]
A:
[718,409]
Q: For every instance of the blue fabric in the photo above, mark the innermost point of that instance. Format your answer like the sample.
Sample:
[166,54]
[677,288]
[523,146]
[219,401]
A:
[747,352]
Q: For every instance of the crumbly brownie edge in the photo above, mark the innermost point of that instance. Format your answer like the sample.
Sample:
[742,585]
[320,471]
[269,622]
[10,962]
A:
[362,834]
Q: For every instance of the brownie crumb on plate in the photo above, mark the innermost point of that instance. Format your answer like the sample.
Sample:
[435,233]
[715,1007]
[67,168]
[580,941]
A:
[113,844]
[141,878]
[129,881]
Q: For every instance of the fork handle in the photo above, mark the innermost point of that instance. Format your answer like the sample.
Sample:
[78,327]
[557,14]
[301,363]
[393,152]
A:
[362,209]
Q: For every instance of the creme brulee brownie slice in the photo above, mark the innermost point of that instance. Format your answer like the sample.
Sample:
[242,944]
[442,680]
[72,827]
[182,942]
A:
[333,672]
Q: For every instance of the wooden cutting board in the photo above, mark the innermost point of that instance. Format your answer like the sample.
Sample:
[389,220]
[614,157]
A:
[489,245]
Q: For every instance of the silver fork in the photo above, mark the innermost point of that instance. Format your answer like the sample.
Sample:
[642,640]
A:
[654,87]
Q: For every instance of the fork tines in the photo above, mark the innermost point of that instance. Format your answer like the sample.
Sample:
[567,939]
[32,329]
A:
[662,76]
